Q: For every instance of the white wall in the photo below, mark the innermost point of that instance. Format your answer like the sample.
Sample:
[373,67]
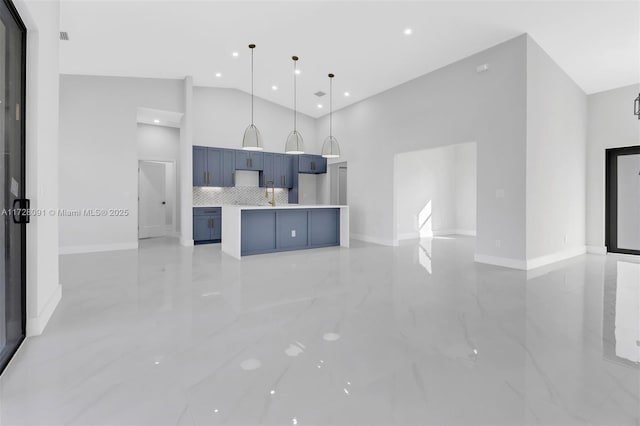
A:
[449,106]
[99,154]
[222,115]
[435,191]
[611,124]
[43,287]
[466,167]
[162,143]
[556,160]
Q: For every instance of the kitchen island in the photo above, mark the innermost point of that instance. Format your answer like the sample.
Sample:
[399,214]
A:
[249,230]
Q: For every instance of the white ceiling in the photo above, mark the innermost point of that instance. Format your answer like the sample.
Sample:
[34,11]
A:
[362,42]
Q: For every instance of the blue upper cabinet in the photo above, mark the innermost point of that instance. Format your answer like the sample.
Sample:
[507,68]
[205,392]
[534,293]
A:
[213,166]
[228,167]
[284,168]
[312,164]
[199,166]
[268,172]
[249,160]
[278,168]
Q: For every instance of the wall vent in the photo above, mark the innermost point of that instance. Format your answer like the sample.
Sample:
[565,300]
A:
[64,35]
[320,94]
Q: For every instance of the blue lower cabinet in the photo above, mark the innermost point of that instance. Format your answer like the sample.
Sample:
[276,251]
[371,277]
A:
[291,226]
[207,225]
[258,232]
[324,227]
[266,231]
[201,229]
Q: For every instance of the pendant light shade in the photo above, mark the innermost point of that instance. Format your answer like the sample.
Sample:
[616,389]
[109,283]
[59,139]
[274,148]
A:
[295,143]
[252,140]
[330,147]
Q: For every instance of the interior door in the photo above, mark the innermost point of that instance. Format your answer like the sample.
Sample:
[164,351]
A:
[152,218]
[623,200]
[12,187]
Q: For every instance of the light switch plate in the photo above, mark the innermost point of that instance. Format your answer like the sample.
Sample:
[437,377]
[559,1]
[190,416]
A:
[293,233]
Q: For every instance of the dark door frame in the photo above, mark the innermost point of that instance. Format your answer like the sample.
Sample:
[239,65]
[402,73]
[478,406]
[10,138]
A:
[23,96]
[611,198]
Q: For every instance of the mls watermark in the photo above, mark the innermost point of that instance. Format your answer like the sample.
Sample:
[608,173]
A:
[66,212]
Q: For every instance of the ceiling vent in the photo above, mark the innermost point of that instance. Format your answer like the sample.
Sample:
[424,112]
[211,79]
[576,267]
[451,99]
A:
[320,94]
[64,35]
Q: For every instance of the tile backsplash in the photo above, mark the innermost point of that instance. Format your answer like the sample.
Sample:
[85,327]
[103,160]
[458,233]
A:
[253,195]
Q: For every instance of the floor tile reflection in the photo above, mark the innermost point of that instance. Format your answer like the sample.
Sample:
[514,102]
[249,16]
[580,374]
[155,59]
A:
[416,334]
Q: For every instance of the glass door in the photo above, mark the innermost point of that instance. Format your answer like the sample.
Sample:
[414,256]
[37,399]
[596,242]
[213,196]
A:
[12,182]
[623,200]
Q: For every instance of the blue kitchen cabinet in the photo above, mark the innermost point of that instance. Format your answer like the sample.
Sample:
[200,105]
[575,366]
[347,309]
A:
[278,168]
[201,229]
[292,229]
[312,164]
[249,160]
[207,225]
[268,173]
[258,231]
[228,167]
[284,170]
[267,231]
[324,227]
[199,166]
[293,192]
[213,166]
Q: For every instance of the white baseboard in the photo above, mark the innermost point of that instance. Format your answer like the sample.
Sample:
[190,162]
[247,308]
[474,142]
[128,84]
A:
[97,248]
[555,257]
[531,263]
[416,235]
[374,240]
[501,261]
[35,326]
[442,232]
[597,249]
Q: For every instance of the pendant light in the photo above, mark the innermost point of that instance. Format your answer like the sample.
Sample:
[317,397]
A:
[252,140]
[330,147]
[295,144]
[636,107]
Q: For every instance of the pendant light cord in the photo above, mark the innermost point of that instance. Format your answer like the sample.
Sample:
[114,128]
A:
[330,106]
[295,68]
[252,86]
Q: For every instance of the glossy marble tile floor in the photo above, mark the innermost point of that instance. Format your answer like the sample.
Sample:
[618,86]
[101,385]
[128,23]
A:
[417,334]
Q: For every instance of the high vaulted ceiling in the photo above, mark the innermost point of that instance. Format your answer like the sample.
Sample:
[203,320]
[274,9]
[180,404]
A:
[362,42]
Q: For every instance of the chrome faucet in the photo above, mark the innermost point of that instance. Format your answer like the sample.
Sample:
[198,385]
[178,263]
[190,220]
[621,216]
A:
[273,193]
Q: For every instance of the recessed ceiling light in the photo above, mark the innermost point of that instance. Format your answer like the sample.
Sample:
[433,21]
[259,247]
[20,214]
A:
[408,31]
[218,75]
[156,121]
[319,105]
[274,87]
[234,54]
[347,94]
[297,71]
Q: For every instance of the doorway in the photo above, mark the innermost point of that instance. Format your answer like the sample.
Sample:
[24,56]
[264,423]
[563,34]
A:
[622,218]
[12,190]
[156,199]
